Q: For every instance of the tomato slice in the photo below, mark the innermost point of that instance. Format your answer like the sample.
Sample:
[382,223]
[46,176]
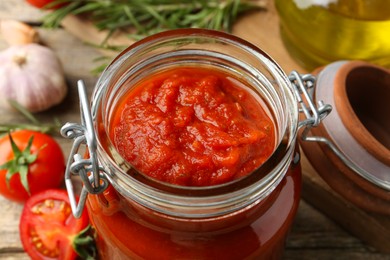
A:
[48,228]
[45,3]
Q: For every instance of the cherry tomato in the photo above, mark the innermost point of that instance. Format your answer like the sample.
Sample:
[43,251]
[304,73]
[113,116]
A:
[43,3]
[35,163]
[48,229]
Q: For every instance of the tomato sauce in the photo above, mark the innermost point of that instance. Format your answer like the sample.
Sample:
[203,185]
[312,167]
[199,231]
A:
[127,230]
[193,126]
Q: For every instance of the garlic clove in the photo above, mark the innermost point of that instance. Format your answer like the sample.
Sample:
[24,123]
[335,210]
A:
[15,32]
[32,75]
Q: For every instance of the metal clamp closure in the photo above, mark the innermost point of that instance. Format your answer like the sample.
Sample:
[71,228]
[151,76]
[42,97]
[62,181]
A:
[88,169]
[303,86]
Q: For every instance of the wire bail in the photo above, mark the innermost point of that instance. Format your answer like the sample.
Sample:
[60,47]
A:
[91,174]
[303,86]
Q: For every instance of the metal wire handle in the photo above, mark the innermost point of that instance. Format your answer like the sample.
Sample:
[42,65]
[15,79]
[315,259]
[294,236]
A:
[91,174]
[303,86]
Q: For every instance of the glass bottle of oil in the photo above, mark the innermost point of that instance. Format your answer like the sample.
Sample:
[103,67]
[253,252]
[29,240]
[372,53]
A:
[317,32]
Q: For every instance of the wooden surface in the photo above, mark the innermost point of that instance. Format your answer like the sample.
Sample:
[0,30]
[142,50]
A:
[313,236]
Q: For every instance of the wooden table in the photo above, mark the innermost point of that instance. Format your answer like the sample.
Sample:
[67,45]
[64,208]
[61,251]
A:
[313,236]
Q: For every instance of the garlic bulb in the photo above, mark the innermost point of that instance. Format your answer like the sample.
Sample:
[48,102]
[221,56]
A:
[31,75]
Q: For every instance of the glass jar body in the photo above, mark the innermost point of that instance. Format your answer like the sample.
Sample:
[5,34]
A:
[138,217]
[316,35]
[127,230]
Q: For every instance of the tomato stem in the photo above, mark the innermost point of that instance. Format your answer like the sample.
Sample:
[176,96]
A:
[84,243]
[34,125]
[19,164]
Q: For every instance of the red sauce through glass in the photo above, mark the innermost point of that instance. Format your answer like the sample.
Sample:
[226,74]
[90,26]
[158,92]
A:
[193,127]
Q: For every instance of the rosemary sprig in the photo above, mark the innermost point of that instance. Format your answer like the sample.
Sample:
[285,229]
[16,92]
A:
[145,17]
[34,124]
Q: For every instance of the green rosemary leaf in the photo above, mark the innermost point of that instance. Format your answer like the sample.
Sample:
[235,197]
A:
[140,18]
[34,125]
[146,17]
[53,20]
[23,111]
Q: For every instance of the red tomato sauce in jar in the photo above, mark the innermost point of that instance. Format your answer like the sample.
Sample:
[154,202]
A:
[193,126]
[127,230]
[195,108]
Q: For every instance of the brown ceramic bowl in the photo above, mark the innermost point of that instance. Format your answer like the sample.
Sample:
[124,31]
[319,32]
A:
[359,127]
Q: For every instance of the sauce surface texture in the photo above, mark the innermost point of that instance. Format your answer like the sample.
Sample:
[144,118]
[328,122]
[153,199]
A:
[192,127]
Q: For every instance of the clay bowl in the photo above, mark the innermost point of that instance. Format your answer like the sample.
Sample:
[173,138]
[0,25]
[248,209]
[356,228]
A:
[359,127]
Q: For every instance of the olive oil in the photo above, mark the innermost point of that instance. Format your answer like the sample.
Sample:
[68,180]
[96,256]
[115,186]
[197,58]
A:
[316,35]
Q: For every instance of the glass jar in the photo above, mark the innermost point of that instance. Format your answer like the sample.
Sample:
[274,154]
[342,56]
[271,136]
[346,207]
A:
[137,217]
[319,32]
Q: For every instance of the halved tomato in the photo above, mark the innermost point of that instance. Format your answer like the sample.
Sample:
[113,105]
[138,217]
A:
[48,229]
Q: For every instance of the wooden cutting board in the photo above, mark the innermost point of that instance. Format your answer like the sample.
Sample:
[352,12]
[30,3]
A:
[262,29]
